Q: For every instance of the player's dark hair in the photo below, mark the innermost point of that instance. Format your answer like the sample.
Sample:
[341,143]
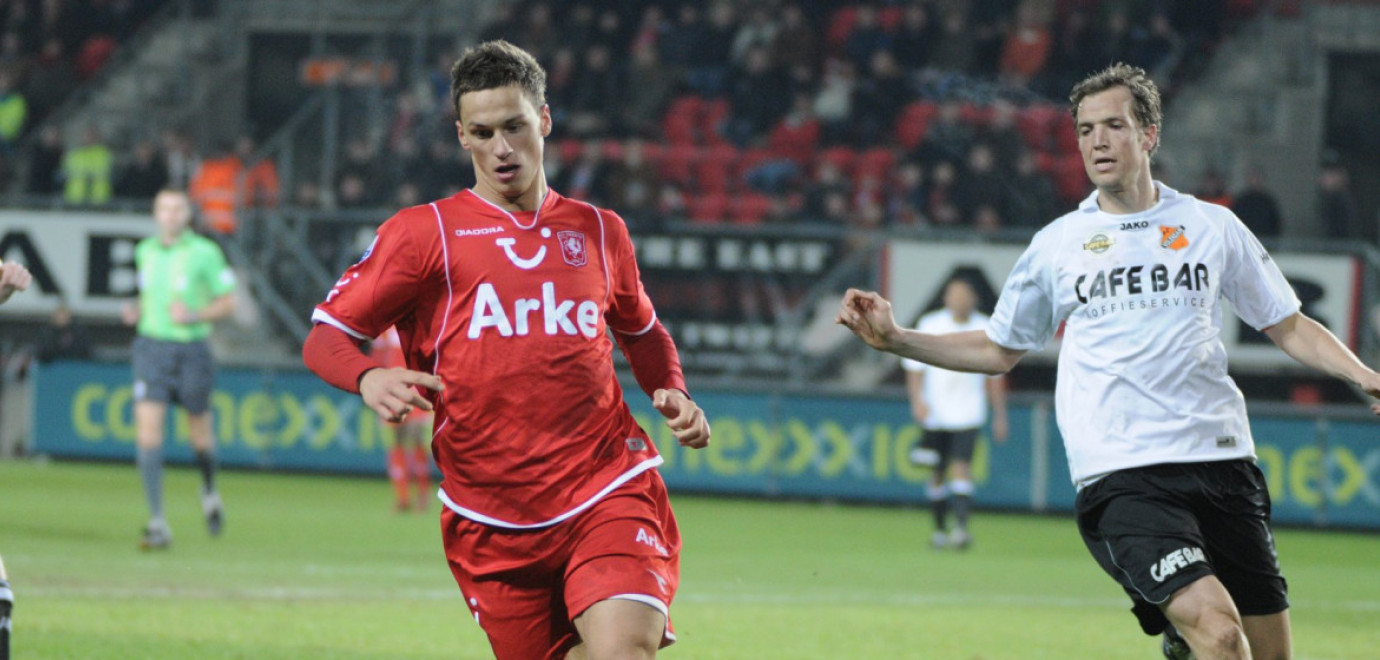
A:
[1145,95]
[494,64]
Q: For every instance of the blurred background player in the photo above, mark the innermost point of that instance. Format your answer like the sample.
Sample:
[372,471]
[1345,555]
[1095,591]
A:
[409,460]
[556,523]
[951,407]
[184,285]
[13,277]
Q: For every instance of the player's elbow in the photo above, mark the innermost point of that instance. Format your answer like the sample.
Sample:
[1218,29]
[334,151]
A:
[1003,360]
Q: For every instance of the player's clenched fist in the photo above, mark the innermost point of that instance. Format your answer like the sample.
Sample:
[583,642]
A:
[390,392]
[869,316]
[684,416]
[13,277]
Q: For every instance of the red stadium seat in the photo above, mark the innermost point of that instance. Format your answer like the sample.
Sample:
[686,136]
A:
[890,18]
[678,162]
[569,150]
[716,168]
[1070,179]
[708,208]
[612,150]
[976,115]
[875,162]
[681,123]
[841,26]
[1036,124]
[1065,139]
[713,114]
[913,122]
[840,157]
[795,142]
[750,208]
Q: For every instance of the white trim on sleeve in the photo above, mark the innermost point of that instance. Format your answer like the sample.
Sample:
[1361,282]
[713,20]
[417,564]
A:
[320,316]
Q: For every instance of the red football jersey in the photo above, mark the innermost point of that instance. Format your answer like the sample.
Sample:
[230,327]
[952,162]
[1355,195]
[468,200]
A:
[510,311]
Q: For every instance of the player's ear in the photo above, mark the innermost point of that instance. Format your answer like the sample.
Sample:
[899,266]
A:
[460,133]
[545,120]
[1150,138]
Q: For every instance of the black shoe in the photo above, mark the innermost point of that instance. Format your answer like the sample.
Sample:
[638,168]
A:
[1174,646]
[6,606]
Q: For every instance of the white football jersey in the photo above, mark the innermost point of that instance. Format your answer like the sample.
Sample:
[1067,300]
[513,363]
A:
[957,400]
[1142,373]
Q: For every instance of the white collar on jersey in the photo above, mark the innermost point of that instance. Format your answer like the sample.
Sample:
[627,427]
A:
[1089,205]
[535,216]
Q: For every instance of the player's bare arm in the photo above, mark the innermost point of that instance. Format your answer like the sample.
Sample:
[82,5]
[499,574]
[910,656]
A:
[684,417]
[390,392]
[13,277]
[915,386]
[869,316]
[218,309]
[1313,345]
[996,394]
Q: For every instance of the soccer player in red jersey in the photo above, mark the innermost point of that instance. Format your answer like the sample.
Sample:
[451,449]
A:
[409,462]
[556,523]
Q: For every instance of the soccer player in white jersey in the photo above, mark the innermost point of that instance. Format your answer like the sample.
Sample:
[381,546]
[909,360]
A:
[1170,502]
[951,406]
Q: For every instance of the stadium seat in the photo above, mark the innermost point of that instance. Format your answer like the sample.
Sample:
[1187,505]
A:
[795,142]
[750,208]
[875,162]
[678,162]
[612,150]
[913,122]
[976,114]
[841,157]
[569,150]
[1064,138]
[1070,179]
[709,208]
[840,27]
[1036,124]
[717,168]
[680,124]
[713,114]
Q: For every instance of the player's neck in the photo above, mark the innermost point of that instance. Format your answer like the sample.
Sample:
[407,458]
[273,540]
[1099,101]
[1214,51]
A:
[168,239]
[527,201]
[1139,196]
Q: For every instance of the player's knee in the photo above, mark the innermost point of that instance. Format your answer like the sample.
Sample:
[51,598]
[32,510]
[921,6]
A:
[624,647]
[1223,637]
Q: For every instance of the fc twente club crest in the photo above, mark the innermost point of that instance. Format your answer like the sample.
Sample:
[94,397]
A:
[573,247]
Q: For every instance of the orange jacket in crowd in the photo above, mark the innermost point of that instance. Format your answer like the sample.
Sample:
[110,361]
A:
[217,190]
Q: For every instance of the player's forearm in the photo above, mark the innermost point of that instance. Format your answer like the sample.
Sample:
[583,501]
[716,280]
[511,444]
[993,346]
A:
[335,357]
[996,393]
[957,351]
[654,359]
[219,308]
[1313,345]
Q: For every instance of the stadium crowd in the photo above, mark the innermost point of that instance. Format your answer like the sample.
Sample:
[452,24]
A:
[887,114]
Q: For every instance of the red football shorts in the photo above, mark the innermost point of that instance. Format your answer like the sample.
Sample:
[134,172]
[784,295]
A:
[526,587]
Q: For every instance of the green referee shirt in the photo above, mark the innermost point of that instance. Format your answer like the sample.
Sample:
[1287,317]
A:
[191,270]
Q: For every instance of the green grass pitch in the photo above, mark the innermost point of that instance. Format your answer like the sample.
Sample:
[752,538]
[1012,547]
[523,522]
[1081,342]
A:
[320,567]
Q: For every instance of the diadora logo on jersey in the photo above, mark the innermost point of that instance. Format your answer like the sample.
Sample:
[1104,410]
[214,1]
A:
[1172,562]
[646,538]
[1173,237]
[558,317]
[573,247]
[660,581]
[1098,244]
[1135,226]
[482,231]
[340,283]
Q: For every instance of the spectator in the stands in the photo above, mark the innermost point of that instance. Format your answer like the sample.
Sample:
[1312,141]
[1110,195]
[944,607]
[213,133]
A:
[1075,49]
[64,338]
[949,137]
[588,177]
[259,185]
[1026,48]
[867,37]
[537,34]
[1113,41]
[562,82]
[307,195]
[1213,188]
[215,189]
[612,32]
[632,187]
[143,175]
[650,90]
[759,96]
[1336,206]
[980,184]
[407,194]
[45,159]
[679,46]
[829,182]
[987,218]
[651,27]
[352,192]
[181,160]
[1256,206]
[88,170]
[448,170]
[598,89]
[14,110]
[940,206]
[1002,136]
[905,200]
[915,38]
[362,161]
[878,99]
[577,27]
[50,79]
[1033,200]
[758,31]
[1158,48]
[833,104]
[796,42]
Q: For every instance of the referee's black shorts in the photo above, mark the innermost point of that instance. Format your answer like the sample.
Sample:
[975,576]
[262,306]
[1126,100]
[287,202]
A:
[1156,529]
[180,373]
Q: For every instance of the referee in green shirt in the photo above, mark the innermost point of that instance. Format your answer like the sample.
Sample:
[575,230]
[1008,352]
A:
[184,285]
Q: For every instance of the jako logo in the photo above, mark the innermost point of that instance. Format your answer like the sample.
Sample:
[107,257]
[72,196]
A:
[1172,562]
[489,312]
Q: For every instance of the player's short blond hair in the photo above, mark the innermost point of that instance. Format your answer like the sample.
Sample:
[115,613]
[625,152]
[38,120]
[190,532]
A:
[1144,93]
[494,64]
